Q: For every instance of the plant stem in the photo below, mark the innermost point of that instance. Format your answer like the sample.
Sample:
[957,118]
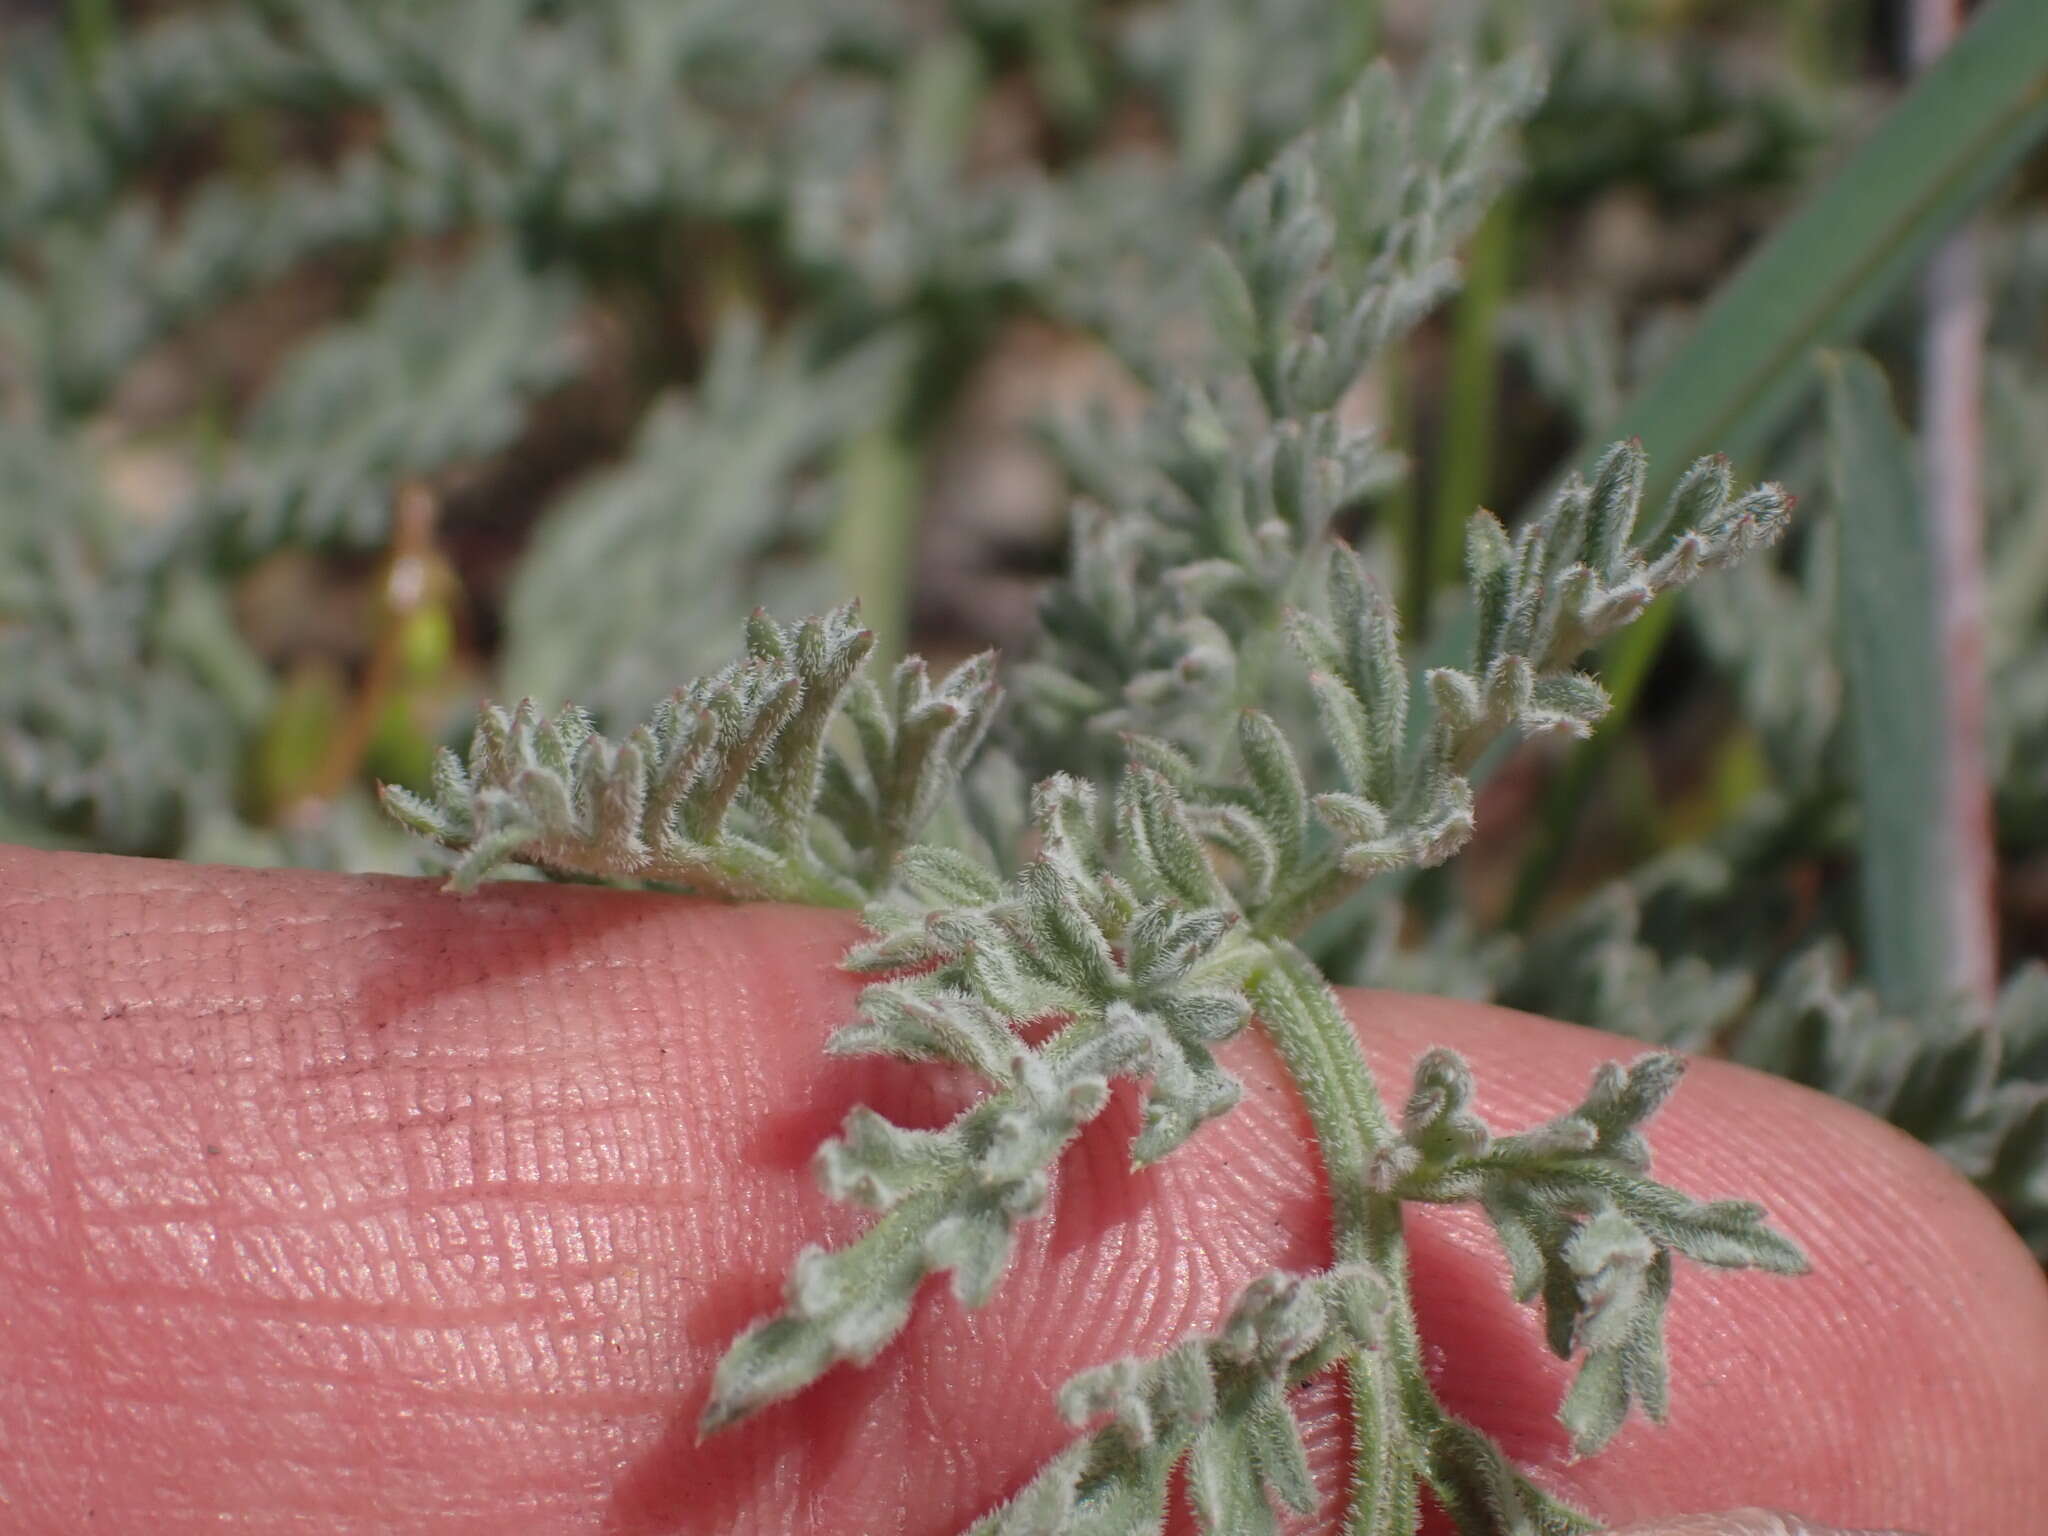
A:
[1398,1426]
[1952,452]
[413,578]
[1321,1054]
[870,547]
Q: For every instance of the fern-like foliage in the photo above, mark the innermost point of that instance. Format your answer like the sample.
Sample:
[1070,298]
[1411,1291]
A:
[1140,960]
[1584,1226]
[1148,926]
[1152,933]
[563,125]
[1595,966]
[675,534]
[566,128]
[1642,957]
[1218,511]
[436,374]
[1586,1230]
[1402,794]
[718,791]
[1686,122]
[1971,1083]
[1218,1403]
[117,657]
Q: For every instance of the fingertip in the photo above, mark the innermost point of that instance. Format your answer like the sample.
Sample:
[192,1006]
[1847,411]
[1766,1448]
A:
[1744,1522]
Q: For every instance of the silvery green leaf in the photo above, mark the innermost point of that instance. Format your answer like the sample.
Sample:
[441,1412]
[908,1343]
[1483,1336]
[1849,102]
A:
[1186,1087]
[1445,826]
[1228,1477]
[1325,257]
[1164,759]
[1611,1258]
[1965,1082]
[1246,840]
[1220,1402]
[1369,632]
[1352,817]
[876,1164]
[1506,694]
[439,369]
[954,1200]
[1696,501]
[483,854]
[451,782]
[1142,994]
[1017,982]
[1063,810]
[1208,1016]
[975,1245]
[946,877]
[1617,497]
[1460,707]
[1571,702]
[1063,938]
[442,823]
[1491,573]
[1346,725]
[916,740]
[750,710]
[841,1307]
[717,791]
[1166,857]
[1165,942]
[1125,1487]
[1279,795]
[1231,308]
[1483,1493]
[1556,543]
[1752,523]
[1586,1229]
[1624,1287]
[1149,1399]
[1437,1120]
[934,1024]
[824,653]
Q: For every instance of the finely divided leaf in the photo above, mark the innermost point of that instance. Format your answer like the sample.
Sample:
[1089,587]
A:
[1584,1226]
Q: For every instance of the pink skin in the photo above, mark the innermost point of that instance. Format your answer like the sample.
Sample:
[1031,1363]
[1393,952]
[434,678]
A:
[342,1205]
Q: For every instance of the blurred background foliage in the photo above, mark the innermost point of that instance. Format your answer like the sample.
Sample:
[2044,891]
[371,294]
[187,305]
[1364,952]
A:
[359,358]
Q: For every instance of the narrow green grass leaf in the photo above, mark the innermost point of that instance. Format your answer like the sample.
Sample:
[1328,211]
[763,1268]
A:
[1961,130]
[1964,126]
[1891,656]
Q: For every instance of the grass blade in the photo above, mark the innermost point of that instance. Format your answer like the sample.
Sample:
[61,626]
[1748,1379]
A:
[1960,131]
[1891,659]
[1962,128]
